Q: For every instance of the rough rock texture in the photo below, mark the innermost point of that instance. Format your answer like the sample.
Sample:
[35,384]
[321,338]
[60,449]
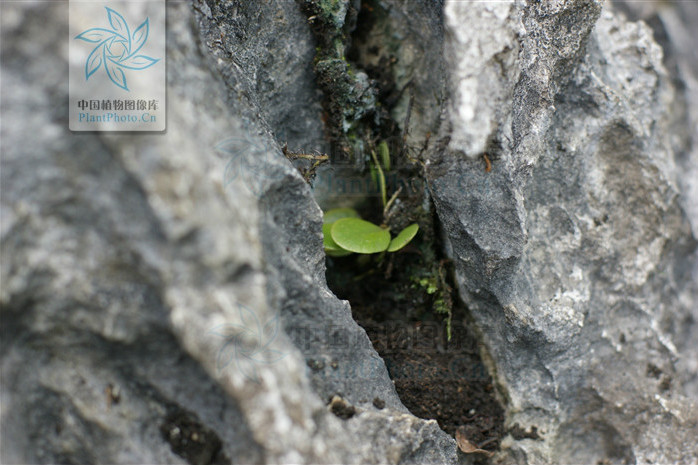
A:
[674,29]
[403,43]
[483,62]
[573,253]
[262,66]
[129,259]
[337,350]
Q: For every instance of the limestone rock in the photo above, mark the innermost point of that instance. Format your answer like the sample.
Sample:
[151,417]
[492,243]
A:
[163,295]
[573,253]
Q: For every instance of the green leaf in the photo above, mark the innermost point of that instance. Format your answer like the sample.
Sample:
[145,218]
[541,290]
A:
[381,179]
[384,154]
[337,253]
[338,213]
[360,236]
[331,247]
[374,176]
[327,241]
[404,238]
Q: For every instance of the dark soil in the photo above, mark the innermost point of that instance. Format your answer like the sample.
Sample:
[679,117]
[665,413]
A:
[434,377]
[192,440]
[401,299]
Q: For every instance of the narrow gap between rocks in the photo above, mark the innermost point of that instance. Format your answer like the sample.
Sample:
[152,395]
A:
[406,300]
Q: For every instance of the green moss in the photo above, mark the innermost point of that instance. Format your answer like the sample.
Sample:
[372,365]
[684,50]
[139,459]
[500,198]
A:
[429,284]
[349,96]
[332,12]
[433,283]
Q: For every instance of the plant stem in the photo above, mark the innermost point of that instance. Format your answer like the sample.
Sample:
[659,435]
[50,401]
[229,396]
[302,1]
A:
[381,179]
[390,203]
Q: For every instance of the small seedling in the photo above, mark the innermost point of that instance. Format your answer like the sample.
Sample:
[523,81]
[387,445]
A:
[344,232]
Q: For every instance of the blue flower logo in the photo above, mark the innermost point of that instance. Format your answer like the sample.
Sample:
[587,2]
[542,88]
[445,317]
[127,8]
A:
[247,345]
[117,49]
[249,161]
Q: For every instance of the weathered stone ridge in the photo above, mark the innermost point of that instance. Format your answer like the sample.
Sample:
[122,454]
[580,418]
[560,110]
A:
[574,253]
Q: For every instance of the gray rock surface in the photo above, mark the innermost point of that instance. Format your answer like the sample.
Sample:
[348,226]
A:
[337,350]
[674,30]
[413,36]
[262,66]
[574,253]
[129,259]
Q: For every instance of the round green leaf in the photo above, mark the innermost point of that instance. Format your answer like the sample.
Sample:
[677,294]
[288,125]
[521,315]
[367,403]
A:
[338,213]
[404,238]
[357,235]
[331,247]
[337,253]
[327,238]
